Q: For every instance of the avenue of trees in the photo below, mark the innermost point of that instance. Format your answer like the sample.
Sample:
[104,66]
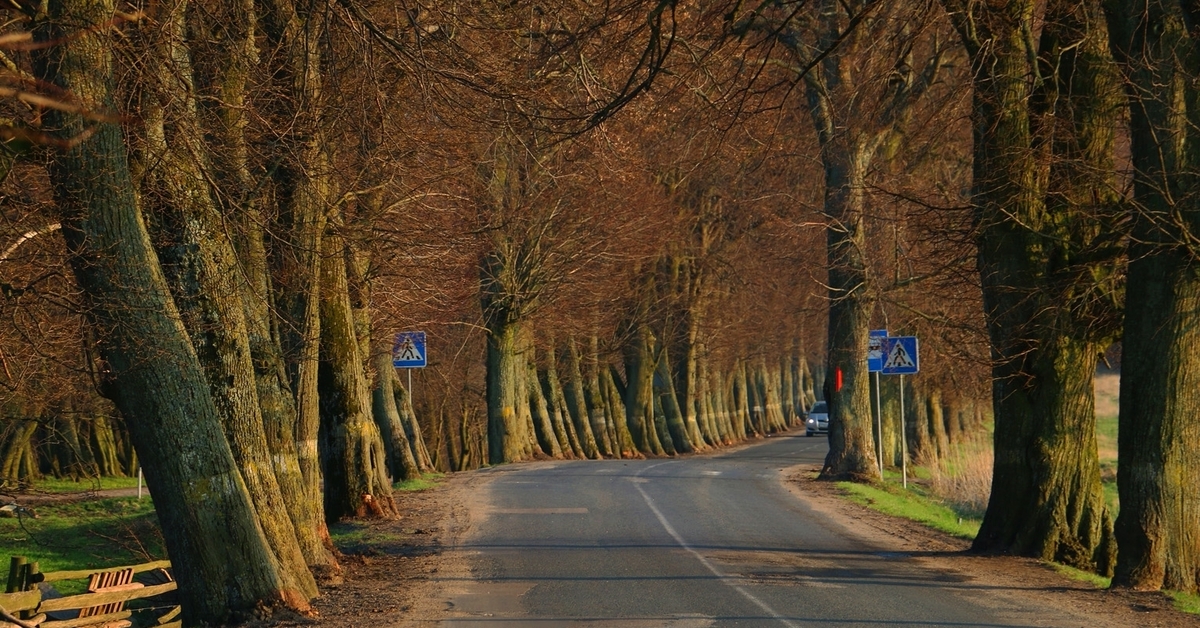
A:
[639,229]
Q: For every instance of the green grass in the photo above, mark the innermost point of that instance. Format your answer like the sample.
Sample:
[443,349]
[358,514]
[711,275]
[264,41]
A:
[423,483]
[910,504]
[85,535]
[1186,602]
[1096,580]
[347,535]
[67,485]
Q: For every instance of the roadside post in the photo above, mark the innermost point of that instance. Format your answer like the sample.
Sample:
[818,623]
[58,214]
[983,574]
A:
[875,339]
[901,357]
[408,352]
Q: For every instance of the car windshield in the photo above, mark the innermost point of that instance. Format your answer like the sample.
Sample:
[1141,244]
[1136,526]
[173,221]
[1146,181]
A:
[819,407]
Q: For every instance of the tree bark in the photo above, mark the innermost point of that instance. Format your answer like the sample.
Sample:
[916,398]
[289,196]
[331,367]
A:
[301,178]
[203,275]
[1036,202]
[401,462]
[354,460]
[203,506]
[577,402]
[1159,437]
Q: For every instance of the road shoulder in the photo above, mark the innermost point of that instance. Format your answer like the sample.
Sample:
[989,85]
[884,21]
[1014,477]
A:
[1005,576]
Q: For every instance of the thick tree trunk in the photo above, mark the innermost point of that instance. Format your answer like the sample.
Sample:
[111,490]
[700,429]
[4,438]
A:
[1159,438]
[851,451]
[203,272]
[577,402]
[354,460]
[401,462]
[507,437]
[228,86]
[598,414]
[203,506]
[1037,255]
[564,423]
[301,182]
[677,428]
[544,428]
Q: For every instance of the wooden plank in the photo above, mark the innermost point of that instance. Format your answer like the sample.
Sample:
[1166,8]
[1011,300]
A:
[87,621]
[32,621]
[169,615]
[55,576]
[21,601]
[86,600]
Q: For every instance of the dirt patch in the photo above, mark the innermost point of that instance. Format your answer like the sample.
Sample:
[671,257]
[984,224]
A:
[1033,581]
[392,576]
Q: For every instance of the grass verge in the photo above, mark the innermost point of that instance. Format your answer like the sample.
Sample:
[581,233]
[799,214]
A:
[67,485]
[85,535]
[1185,602]
[1096,580]
[910,504]
[423,483]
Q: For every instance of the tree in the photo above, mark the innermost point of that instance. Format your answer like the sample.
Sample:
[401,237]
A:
[856,113]
[1049,262]
[1156,45]
[155,375]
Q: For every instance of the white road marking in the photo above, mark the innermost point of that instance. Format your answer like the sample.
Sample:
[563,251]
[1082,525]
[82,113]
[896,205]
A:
[730,582]
[539,511]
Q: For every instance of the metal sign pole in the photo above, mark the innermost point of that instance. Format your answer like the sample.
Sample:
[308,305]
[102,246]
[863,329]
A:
[879,427]
[409,385]
[903,438]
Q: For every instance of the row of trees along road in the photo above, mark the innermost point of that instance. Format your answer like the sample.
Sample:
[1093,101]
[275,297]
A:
[639,230]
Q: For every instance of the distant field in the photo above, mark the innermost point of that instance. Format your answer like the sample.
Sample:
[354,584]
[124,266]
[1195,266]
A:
[1107,388]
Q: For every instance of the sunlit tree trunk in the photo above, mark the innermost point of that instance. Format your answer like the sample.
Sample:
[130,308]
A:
[202,503]
[302,189]
[353,459]
[577,404]
[402,464]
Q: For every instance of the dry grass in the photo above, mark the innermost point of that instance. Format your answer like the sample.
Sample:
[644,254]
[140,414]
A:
[963,478]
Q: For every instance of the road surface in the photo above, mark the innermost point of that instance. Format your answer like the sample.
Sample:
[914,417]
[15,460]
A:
[696,541]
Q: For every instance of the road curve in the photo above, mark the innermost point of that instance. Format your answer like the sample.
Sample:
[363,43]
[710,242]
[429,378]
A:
[690,542]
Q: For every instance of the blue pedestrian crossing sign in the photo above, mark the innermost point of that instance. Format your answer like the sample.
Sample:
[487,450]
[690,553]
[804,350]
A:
[875,350]
[900,356]
[408,352]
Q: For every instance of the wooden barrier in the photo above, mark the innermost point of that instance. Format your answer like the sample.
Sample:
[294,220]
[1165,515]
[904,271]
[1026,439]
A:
[103,605]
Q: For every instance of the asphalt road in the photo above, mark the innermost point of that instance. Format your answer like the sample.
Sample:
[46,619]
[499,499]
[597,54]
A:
[696,541]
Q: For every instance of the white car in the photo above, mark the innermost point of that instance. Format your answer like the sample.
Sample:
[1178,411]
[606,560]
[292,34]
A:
[817,419]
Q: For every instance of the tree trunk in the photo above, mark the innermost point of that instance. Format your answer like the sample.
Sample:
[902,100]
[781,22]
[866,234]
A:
[1036,223]
[226,88]
[598,408]
[302,187]
[412,428]
[401,462]
[851,454]
[559,416]
[507,438]
[203,272]
[1159,438]
[547,436]
[354,460]
[577,402]
[203,506]
[677,428]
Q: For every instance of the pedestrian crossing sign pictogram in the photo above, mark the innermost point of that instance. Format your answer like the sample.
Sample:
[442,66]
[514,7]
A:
[408,352]
[900,355]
